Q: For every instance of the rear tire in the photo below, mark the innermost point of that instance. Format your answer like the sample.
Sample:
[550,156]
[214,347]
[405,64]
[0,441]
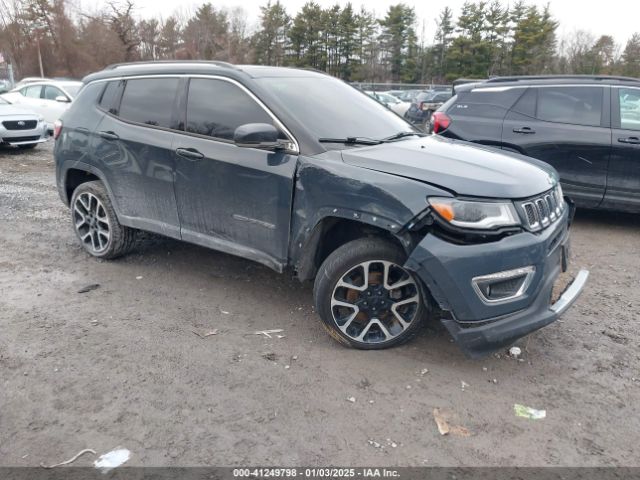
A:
[96,224]
[381,308]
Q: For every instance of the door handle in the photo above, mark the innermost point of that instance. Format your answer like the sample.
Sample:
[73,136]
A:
[190,154]
[633,140]
[525,130]
[109,135]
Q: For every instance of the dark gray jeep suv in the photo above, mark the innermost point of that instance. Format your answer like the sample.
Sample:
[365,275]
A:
[393,225]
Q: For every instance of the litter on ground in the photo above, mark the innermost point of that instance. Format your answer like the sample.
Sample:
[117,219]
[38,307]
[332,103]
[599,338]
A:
[89,288]
[528,412]
[267,333]
[515,352]
[71,460]
[112,459]
[444,421]
[206,334]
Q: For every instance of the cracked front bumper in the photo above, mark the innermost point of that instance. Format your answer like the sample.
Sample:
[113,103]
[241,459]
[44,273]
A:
[478,327]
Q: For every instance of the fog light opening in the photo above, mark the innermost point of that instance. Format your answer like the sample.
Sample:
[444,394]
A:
[503,286]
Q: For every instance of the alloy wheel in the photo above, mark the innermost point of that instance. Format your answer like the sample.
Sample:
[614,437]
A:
[375,301]
[91,222]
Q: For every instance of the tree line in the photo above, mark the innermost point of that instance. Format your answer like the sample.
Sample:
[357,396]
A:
[487,38]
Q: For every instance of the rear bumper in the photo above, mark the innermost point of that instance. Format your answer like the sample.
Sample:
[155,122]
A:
[480,327]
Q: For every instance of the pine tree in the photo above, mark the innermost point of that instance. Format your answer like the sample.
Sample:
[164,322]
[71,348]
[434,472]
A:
[631,57]
[271,40]
[444,32]
[398,37]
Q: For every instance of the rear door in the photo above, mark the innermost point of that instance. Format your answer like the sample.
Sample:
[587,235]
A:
[623,185]
[569,128]
[134,150]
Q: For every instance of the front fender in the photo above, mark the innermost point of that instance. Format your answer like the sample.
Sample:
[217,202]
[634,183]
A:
[327,187]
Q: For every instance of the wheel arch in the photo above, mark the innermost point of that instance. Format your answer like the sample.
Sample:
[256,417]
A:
[78,173]
[333,231]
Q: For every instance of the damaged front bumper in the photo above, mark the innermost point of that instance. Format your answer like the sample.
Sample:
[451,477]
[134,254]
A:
[480,327]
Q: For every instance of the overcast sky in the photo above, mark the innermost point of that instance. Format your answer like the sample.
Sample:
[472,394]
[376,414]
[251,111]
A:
[614,17]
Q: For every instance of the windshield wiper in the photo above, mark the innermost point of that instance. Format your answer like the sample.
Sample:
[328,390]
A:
[351,141]
[400,135]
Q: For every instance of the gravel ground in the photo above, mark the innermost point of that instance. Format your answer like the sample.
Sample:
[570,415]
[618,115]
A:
[121,365]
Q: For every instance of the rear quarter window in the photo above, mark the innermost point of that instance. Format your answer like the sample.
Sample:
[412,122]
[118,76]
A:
[109,97]
[87,98]
[485,104]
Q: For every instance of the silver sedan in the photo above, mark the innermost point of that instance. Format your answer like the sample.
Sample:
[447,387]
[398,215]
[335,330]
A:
[21,127]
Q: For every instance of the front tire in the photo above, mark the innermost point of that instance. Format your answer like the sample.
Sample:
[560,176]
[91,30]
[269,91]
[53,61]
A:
[365,298]
[96,224]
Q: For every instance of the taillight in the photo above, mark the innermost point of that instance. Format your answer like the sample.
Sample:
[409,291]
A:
[441,121]
[57,129]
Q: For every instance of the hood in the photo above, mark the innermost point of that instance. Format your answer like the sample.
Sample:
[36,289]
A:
[13,110]
[461,167]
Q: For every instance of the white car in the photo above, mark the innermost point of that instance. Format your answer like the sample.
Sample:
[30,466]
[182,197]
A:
[391,102]
[48,98]
[20,127]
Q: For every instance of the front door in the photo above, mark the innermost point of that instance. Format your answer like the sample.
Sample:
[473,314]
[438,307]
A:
[567,127]
[230,198]
[623,186]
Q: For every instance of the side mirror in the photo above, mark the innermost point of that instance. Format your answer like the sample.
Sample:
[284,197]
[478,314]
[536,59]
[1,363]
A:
[256,135]
[62,99]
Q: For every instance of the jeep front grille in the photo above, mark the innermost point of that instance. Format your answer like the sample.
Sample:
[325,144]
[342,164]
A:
[541,211]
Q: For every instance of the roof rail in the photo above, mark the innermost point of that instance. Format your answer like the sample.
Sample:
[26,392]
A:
[165,62]
[465,81]
[517,78]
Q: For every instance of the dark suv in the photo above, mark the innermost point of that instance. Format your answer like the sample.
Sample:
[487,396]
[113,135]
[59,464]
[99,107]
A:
[587,127]
[392,225]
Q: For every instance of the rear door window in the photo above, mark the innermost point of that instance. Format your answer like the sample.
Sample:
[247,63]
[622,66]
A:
[629,108]
[149,101]
[574,105]
[215,108]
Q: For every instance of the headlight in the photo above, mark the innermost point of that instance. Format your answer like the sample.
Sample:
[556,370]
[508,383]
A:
[472,214]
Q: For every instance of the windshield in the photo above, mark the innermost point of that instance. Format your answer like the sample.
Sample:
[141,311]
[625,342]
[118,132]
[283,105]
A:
[329,108]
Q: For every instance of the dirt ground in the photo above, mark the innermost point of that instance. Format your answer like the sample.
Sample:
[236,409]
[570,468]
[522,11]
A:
[121,365]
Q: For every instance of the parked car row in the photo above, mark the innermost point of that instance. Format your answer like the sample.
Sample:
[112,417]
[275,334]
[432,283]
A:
[424,104]
[391,224]
[586,127]
[390,101]
[48,98]
[414,105]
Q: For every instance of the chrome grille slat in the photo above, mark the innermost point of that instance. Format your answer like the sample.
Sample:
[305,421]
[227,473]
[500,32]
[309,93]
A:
[543,210]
